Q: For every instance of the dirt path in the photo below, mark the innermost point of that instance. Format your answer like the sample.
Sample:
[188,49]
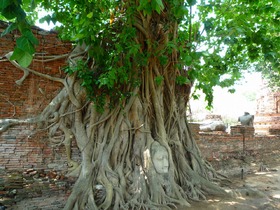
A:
[258,190]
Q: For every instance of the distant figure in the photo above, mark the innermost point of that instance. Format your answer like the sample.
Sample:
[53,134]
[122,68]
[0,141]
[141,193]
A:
[246,119]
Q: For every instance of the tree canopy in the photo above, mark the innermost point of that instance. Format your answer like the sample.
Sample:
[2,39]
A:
[136,62]
[215,38]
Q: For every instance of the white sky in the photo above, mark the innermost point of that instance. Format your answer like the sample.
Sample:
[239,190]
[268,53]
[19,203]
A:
[44,25]
[231,105]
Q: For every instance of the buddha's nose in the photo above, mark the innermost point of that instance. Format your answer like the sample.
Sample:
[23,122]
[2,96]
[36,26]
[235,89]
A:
[165,162]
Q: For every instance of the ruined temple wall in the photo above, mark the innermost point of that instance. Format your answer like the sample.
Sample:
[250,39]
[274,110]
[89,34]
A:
[35,92]
[223,146]
[267,118]
[240,141]
[23,146]
[265,101]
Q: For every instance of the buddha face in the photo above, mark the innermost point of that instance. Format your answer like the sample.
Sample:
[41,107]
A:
[160,158]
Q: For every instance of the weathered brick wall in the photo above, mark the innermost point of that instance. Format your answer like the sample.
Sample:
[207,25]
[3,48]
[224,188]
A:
[223,146]
[268,111]
[240,142]
[248,131]
[22,146]
[35,92]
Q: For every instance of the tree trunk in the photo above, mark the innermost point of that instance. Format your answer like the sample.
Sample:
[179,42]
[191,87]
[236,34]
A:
[139,154]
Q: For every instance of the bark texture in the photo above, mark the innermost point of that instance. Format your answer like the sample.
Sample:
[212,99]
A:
[119,169]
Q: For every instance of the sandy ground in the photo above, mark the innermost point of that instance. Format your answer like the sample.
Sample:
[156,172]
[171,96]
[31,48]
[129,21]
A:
[260,191]
[257,189]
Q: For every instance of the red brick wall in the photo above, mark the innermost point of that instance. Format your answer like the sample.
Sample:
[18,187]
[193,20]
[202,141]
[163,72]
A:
[222,146]
[19,147]
[268,111]
[35,92]
[241,141]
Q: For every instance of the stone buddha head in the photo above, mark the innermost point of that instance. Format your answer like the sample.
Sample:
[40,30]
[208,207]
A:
[160,159]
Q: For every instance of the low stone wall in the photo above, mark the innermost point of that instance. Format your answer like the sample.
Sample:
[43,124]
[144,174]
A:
[247,131]
[222,146]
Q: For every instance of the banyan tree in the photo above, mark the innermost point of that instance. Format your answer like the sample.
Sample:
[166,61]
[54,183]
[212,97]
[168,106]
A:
[127,85]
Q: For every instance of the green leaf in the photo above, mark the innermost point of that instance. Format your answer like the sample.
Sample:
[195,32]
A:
[188,60]
[89,15]
[181,80]
[30,36]
[145,6]
[191,2]
[13,11]
[195,96]
[171,45]
[232,90]
[22,57]
[33,5]
[103,81]
[10,12]
[163,60]
[24,44]
[10,28]
[134,49]
[159,80]
[47,18]
[157,5]
[181,11]
[23,25]
[5,3]
[159,2]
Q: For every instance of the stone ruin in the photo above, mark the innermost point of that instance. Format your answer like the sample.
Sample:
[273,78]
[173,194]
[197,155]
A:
[246,126]
[247,131]
[267,118]
[213,123]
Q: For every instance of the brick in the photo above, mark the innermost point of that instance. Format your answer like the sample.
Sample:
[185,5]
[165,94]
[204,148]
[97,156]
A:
[17,150]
